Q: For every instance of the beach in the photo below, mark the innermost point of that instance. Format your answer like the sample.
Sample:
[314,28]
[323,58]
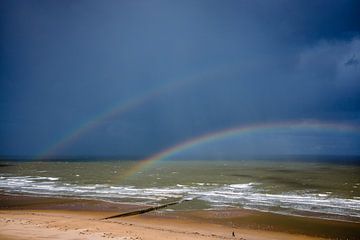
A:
[25,217]
[217,200]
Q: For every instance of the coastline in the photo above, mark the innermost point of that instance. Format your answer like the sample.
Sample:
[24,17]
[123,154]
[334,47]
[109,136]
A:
[67,218]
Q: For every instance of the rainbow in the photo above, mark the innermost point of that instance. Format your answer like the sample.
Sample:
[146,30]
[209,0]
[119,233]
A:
[118,109]
[122,107]
[238,131]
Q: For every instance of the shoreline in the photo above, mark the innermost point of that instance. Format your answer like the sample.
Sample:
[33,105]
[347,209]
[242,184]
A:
[138,206]
[251,224]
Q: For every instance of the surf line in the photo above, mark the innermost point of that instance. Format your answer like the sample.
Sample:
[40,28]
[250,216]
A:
[121,108]
[238,131]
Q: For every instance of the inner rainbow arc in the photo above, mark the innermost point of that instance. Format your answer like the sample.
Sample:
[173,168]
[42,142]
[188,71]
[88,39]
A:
[236,131]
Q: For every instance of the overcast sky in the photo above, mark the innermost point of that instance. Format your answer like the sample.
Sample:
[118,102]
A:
[212,64]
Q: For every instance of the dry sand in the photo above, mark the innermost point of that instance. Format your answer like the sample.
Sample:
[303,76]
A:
[45,224]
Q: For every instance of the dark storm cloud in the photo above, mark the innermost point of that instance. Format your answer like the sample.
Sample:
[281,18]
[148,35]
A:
[352,61]
[64,62]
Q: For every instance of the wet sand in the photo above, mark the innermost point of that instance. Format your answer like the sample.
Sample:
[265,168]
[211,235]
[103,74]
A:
[23,217]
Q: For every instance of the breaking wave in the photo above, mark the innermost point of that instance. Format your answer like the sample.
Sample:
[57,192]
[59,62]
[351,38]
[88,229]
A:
[249,195]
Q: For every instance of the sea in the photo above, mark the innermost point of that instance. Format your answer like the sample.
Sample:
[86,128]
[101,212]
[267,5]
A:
[323,189]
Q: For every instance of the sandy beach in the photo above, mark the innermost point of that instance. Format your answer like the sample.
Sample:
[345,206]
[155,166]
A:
[33,218]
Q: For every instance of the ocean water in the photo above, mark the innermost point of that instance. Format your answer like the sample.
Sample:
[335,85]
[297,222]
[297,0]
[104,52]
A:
[304,188]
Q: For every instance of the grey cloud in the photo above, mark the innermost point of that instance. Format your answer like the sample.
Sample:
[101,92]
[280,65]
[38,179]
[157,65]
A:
[352,61]
[333,61]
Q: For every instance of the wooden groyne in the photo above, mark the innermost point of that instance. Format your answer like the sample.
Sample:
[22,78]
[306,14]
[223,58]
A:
[141,211]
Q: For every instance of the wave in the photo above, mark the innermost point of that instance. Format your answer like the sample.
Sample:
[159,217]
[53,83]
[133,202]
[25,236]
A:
[247,195]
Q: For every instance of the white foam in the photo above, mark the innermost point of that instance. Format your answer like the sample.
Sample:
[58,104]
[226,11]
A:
[242,186]
[246,195]
[53,178]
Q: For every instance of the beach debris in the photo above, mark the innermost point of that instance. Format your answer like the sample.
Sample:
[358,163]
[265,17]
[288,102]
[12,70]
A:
[233,234]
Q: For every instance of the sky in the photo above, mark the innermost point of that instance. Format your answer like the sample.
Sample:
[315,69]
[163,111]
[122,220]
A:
[132,78]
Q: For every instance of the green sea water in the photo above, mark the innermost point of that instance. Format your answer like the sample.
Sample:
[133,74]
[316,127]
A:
[322,189]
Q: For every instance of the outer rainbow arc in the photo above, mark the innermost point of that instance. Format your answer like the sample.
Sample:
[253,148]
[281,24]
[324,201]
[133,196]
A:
[225,133]
[118,109]
[128,105]
[93,123]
